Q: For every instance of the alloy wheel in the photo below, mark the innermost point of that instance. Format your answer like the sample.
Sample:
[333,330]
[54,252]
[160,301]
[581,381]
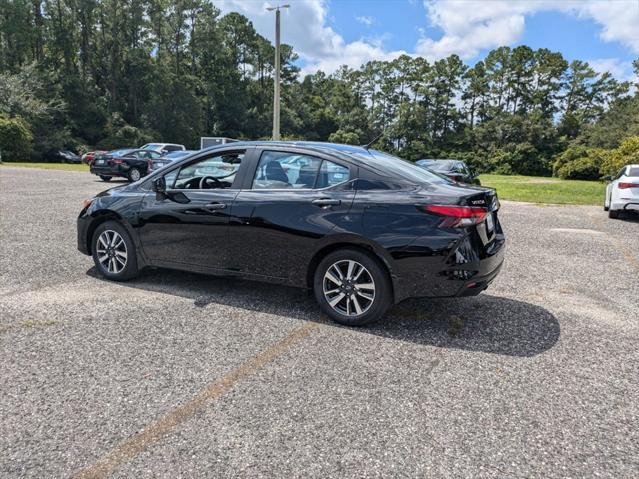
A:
[349,288]
[112,253]
[134,175]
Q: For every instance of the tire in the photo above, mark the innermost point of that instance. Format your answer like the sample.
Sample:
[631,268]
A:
[105,178]
[606,208]
[614,214]
[105,246]
[134,174]
[372,302]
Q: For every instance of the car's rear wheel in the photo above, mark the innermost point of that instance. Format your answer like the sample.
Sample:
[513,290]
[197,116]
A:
[105,178]
[352,287]
[134,174]
[113,252]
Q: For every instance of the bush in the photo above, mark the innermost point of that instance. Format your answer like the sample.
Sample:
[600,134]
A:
[15,139]
[579,163]
[626,154]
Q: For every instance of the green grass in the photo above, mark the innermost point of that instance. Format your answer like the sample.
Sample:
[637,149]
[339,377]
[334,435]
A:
[546,190]
[51,166]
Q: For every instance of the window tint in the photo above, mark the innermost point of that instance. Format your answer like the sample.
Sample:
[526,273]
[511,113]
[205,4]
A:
[633,171]
[331,174]
[282,170]
[210,173]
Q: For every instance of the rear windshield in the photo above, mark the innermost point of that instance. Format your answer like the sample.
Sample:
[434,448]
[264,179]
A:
[440,165]
[398,168]
[634,171]
[151,146]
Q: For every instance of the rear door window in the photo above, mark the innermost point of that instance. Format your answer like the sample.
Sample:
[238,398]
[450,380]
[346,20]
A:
[331,174]
[284,170]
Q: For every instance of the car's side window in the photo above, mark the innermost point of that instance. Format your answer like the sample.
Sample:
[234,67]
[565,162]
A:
[331,174]
[284,170]
[212,172]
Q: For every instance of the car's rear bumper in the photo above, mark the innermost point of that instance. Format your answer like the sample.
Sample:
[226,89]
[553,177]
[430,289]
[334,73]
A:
[107,170]
[631,206]
[464,273]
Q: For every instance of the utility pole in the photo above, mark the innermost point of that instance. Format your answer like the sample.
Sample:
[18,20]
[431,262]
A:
[276,79]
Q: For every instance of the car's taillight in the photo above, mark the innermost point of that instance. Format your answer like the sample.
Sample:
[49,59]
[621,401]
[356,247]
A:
[623,185]
[456,216]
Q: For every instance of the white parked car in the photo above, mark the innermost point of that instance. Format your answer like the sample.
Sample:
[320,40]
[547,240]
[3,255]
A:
[163,147]
[622,192]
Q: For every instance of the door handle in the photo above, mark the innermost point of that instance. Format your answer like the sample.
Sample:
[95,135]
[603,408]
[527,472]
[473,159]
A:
[326,202]
[215,206]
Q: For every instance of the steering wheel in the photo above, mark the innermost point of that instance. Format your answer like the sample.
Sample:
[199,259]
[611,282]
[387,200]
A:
[217,182]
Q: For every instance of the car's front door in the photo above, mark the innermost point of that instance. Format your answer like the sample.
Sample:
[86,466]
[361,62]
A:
[189,223]
[291,203]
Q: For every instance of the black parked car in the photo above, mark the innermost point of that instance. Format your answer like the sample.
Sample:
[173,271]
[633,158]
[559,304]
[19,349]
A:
[363,229]
[61,156]
[128,162]
[456,170]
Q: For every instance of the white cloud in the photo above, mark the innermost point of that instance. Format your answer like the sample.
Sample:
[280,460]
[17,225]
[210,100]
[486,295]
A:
[619,69]
[304,26]
[469,26]
[366,20]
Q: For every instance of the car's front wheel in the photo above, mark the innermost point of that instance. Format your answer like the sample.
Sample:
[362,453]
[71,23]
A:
[352,287]
[113,252]
[105,178]
[134,174]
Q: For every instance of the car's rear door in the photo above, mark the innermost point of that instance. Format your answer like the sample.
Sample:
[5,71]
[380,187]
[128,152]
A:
[189,224]
[292,200]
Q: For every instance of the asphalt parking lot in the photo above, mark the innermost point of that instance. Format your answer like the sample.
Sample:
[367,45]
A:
[181,375]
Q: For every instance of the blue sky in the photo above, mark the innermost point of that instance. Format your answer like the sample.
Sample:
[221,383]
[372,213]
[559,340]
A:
[328,33]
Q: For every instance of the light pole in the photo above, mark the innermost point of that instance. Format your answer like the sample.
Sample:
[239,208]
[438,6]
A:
[276,80]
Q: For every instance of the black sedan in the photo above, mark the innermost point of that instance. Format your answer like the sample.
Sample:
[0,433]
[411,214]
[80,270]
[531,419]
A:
[361,228]
[127,162]
[456,170]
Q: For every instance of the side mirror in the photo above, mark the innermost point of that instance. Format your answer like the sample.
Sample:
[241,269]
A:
[159,185]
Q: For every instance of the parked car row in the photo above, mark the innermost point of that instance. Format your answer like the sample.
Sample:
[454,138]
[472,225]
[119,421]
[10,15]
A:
[135,163]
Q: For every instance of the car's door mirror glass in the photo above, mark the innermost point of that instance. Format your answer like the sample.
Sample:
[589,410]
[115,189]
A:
[159,185]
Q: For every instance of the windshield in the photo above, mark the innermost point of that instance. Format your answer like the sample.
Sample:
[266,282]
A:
[151,146]
[400,168]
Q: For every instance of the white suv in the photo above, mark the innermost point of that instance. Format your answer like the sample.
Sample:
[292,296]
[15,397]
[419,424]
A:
[163,147]
[622,192]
